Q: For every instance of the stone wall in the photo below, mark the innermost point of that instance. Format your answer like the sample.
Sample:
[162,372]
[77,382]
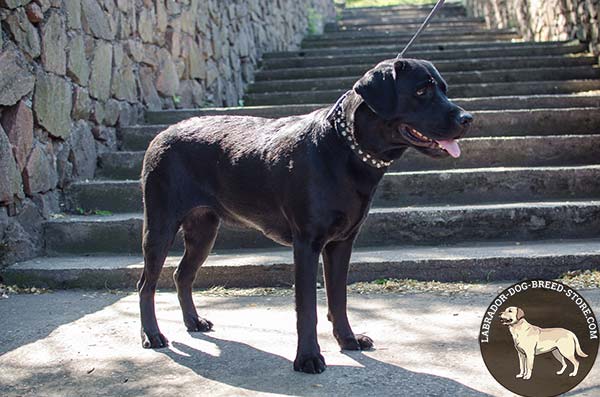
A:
[544,20]
[73,71]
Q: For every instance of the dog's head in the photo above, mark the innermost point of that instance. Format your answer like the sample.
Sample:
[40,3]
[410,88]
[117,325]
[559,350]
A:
[511,315]
[409,97]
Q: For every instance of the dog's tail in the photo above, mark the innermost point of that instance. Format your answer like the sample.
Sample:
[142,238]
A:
[580,352]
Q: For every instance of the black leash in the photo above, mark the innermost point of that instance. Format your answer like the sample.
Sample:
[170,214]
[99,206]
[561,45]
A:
[435,9]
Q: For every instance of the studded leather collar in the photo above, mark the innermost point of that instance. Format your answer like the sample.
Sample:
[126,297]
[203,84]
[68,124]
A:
[340,124]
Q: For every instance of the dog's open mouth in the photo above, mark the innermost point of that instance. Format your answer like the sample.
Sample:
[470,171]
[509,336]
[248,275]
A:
[505,321]
[416,138]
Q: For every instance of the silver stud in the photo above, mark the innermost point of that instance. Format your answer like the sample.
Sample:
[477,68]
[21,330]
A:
[360,151]
[378,165]
[349,138]
[368,156]
[374,162]
[343,133]
[352,147]
[364,159]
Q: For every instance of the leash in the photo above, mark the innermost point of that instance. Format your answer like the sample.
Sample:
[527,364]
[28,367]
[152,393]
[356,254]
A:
[434,11]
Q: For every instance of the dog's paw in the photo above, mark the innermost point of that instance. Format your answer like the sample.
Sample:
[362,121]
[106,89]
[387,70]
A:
[198,324]
[364,341]
[356,342]
[154,341]
[527,376]
[310,363]
[519,376]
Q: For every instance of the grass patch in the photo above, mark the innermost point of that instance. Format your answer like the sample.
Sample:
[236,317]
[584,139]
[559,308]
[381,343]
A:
[384,3]
[578,279]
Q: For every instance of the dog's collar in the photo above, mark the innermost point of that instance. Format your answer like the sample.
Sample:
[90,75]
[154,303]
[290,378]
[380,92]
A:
[344,128]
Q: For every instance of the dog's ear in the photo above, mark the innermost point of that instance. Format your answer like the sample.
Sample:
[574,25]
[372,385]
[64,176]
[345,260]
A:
[379,90]
[520,313]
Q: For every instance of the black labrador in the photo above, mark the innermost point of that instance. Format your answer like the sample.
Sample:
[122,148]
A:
[303,181]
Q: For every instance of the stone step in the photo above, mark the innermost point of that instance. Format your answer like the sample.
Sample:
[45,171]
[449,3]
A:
[462,186]
[577,120]
[429,34]
[129,135]
[378,14]
[452,78]
[401,20]
[381,12]
[444,67]
[473,90]
[407,27]
[441,37]
[438,46]
[423,225]
[539,49]
[449,9]
[511,151]
[274,268]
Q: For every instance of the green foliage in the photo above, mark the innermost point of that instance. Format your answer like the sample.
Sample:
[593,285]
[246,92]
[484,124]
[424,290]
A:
[381,281]
[3,251]
[81,211]
[176,99]
[315,21]
[384,3]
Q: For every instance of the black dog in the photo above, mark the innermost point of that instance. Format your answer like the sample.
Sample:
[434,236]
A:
[304,181]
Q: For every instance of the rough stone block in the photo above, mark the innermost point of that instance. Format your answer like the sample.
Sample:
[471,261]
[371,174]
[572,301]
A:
[146,23]
[16,80]
[34,13]
[54,43]
[10,176]
[73,12]
[40,173]
[95,20]
[82,104]
[111,112]
[167,81]
[149,93]
[98,112]
[24,33]
[52,102]
[124,81]
[78,67]
[18,124]
[12,4]
[101,71]
[83,151]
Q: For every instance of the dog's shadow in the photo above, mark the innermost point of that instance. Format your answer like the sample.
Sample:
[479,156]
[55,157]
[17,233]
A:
[243,366]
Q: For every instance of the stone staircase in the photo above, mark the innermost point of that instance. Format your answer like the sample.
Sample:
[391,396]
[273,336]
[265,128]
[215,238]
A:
[523,200]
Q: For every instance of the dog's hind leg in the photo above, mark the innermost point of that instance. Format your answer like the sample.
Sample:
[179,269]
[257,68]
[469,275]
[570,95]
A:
[200,229]
[336,259]
[561,360]
[566,347]
[158,234]
[570,355]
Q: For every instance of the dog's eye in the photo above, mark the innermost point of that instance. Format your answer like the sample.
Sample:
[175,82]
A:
[421,91]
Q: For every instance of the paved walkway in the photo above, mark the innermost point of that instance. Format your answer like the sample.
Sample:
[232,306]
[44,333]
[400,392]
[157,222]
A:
[80,343]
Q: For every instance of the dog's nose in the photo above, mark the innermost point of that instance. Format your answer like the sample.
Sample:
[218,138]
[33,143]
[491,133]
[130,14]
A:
[465,119]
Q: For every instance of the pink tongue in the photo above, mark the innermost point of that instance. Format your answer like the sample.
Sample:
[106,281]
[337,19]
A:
[451,147]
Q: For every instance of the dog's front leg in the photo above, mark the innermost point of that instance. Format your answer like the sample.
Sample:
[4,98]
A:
[529,359]
[306,260]
[336,259]
[521,364]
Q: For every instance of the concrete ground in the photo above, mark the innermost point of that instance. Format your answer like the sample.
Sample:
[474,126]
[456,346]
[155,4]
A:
[80,343]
